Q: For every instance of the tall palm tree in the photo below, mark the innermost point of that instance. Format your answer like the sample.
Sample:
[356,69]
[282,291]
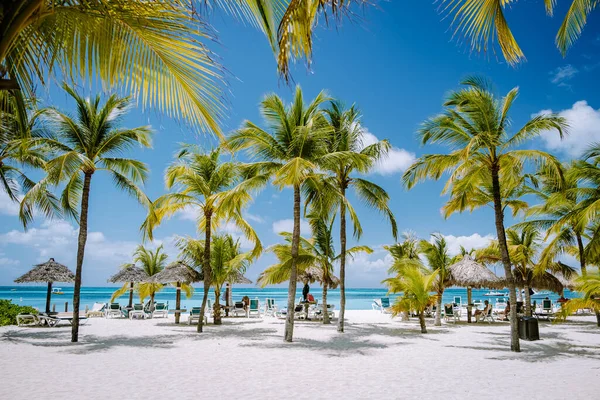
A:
[415,284]
[218,190]
[90,142]
[474,125]
[483,23]
[346,137]
[291,153]
[154,50]
[436,253]
[228,262]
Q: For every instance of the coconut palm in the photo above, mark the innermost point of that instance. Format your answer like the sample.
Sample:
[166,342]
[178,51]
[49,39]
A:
[154,50]
[291,153]
[589,287]
[483,22]
[87,143]
[152,262]
[416,285]
[436,253]
[347,137]
[217,190]
[475,126]
[228,263]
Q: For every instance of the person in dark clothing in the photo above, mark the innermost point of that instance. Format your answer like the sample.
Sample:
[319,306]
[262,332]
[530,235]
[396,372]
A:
[305,291]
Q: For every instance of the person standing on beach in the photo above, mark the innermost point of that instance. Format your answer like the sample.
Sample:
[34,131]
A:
[305,291]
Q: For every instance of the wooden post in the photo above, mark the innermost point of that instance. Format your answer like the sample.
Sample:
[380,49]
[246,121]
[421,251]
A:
[54,307]
[66,306]
[469,302]
[130,295]
[48,297]
[177,302]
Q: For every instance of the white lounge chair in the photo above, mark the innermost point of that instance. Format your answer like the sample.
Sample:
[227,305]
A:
[449,313]
[98,310]
[382,305]
[27,320]
[270,307]
[194,316]
[254,308]
[161,310]
[137,312]
[114,310]
[486,315]
[238,309]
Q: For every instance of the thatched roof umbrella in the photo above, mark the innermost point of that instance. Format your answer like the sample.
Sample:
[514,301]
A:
[49,272]
[568,283]
[545,281]
[470,274]
[132,274]
[177,272]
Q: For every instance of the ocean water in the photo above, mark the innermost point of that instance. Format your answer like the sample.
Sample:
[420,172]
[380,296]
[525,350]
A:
[356,298]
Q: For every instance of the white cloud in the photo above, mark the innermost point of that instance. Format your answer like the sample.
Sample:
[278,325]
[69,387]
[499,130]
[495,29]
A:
[236,233]
[189,213]
[254,217]
[378,261]
[560,75]
[474,241]
[7,206]
[397,159]
[584,129]
[4,261]
[287,225]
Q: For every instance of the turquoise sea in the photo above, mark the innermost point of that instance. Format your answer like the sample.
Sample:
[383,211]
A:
[356,299]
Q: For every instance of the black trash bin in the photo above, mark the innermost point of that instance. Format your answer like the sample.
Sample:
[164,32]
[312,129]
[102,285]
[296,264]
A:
[528,328]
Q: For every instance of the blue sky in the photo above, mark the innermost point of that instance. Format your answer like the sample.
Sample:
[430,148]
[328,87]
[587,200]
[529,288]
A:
[396,65]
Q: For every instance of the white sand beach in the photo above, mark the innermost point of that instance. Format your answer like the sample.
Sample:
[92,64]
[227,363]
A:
[376,358]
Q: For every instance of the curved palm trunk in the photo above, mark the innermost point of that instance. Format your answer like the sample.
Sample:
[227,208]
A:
[499,216]
[582,260]
[83,218]
[130,294]
[49,297]
[527,300]
[325,313]
[289,321]
[422,322]
[178,303]
[206,268]
[342,261]
[152,301]
[217,308]
[438,312]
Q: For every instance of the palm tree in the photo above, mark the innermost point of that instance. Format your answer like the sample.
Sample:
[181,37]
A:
[20,121]
[291,154]
[346,138]
[483,22]
[218,190]
[228,263]
[416,285]
[91,142]
[474,125]
[438,259]
[589,287]
[154,50]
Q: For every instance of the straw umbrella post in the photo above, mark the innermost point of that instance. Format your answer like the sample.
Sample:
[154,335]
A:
[177,272]
[132,274]
[470,274]
[48,272]
[239,279]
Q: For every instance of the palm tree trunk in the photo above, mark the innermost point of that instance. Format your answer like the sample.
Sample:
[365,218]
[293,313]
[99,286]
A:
[325,313]
[49,297]
[342,260]
[217,308]
[422,322]
[178,303]
[598,318]
[152,302]
[499,216]
[527,300]
[206,268]
[130,295]
[289,321]
[83,219]
[438,312]
[582,260]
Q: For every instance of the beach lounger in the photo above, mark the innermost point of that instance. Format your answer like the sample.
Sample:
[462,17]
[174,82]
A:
[254,309]
[137,312]
[98,310]
[382,305]
[238,309]
[27,320]
[270,307]
[114,310]
[486,315]
[161,310]
[194,316]
[547,310]
[318,314]
[449,313]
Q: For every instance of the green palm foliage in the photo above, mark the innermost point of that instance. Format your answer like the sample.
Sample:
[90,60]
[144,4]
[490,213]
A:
[20,122]
[290,150]
[219,191]
[155,50]
[436,253]
[416,285]
[90,142]
[474,125]
[346,139]
[482,23]
[228,262]
[589,287]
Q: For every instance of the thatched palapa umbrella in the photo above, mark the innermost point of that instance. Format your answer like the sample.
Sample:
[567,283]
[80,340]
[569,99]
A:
[132,274]
[177,272]
[545,281]
[48,272]
[470,274]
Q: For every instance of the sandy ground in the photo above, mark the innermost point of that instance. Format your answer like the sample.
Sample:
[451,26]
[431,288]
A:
[377,357]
